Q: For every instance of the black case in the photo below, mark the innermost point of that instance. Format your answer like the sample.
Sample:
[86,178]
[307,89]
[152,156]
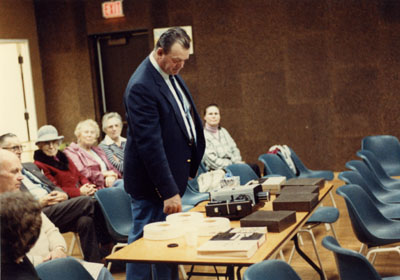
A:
[232,210]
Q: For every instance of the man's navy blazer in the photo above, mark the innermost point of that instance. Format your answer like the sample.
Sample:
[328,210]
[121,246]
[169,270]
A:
[159,156]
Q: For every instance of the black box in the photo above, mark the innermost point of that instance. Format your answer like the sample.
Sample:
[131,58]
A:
[301,202]
[231,210]
[320,182]
[298,189]
[275,221]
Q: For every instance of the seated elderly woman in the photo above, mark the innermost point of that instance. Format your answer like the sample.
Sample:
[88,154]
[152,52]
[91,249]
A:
[221,149]
[113,143]
[90,160]
[57,166]
[20,228]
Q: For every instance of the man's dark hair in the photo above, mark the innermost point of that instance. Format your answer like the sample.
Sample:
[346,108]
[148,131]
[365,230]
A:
[172,36]
[20,224]
[5,136]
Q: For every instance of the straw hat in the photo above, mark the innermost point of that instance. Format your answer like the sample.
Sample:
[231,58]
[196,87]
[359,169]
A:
[48,133]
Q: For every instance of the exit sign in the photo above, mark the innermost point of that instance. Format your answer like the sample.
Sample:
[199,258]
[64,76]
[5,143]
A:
[112,9]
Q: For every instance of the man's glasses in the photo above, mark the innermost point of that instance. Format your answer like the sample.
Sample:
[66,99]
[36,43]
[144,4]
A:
[18,148]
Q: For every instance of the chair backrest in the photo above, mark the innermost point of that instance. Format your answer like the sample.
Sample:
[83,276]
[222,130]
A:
[202,168]
[372,162]
[304,171]
[368,175]
[364,215]
[271,270]
[244,171]
[386,148]
[351,265]
[116,206]
[192,196]
[273,164]
[297,162]
[62,269]
[353,177]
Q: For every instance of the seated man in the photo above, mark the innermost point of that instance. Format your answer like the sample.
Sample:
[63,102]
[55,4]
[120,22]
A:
[50,243]
[76,214]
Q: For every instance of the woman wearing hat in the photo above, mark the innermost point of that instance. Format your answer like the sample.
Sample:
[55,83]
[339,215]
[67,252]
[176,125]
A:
[57,166]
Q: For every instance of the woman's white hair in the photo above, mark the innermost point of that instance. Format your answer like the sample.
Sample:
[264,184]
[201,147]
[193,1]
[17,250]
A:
[107,117]
[89,122]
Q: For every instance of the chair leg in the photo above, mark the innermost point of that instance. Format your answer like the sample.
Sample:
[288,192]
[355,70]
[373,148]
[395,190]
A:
[116,246]
[361,249]
[74,239]
[71,245]
[281,255]
[183,272]
[333,200]
[380,250]
[333,231]
[293,248]
[310,232]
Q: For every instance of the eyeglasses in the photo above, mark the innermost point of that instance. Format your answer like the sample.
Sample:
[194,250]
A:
[18,148]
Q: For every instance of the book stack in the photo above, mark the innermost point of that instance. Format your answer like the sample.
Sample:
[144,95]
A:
[234,243]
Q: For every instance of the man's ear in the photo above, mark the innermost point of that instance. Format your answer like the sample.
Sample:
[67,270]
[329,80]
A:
[160,52]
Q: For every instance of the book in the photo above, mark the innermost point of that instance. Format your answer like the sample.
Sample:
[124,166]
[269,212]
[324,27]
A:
[270,184]
[233,243]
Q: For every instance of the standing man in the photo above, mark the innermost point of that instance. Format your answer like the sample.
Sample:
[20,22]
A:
[165,141]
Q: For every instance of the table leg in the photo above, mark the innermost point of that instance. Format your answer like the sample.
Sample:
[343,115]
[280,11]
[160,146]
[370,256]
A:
[230,272]
[306,258]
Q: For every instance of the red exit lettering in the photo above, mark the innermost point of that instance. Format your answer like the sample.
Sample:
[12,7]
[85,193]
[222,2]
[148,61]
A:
[112,9]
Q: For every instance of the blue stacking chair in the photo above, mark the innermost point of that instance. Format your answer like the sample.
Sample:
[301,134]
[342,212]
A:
[308,173]
[389,210]
[369,225]
[352,265]
[62,269]
[244,171]
[271,270]
[372,162]
[386,195]
[386,148]
[202,169]
[115,204]
[192,196]
[274,165]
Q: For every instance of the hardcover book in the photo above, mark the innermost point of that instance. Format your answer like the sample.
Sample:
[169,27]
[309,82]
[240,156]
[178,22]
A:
[234,243]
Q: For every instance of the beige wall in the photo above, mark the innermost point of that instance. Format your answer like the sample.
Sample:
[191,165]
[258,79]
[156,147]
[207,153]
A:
[17,21]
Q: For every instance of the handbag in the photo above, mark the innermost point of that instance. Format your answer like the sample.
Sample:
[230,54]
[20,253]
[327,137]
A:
[210,180]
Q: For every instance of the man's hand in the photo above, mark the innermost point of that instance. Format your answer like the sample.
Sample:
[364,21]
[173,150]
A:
[173,205]
[53,198]
[57,253]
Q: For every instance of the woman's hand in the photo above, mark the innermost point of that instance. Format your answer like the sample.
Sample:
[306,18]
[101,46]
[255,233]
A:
[110,177]
[57,253]
[87,189]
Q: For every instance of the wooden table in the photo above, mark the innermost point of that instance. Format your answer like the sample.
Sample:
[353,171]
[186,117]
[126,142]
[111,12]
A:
[150,251]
